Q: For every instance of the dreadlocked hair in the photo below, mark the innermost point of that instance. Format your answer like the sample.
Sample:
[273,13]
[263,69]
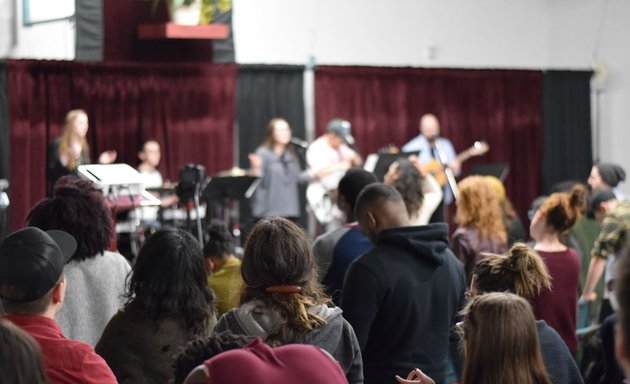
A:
[521,271]
[278,253]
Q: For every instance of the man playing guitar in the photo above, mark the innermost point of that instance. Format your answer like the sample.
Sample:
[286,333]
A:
[435,151]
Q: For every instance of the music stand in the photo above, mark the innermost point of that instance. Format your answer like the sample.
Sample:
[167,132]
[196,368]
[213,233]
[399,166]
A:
[498,170]
[378,163]
[226,192]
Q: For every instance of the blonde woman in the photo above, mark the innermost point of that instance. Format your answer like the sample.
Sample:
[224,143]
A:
[71,149]
[480,220]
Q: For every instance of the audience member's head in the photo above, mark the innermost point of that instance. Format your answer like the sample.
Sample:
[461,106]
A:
[601,203]
[380,207]
[559,212]
[218,245]
[478,207]
[405,177]
[168,280]
[150,154]
[20,356]
[521,271]
[514,354]
[279,269]
[293,363]
[622,289]
[201,349]
[76,207]
[349,188]
[31,270]
[605,176]
[507,209]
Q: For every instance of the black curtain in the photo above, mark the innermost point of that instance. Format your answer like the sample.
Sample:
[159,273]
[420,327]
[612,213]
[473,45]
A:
[567,142]
[89,25]
[4,145]
[4,123]
[262,93]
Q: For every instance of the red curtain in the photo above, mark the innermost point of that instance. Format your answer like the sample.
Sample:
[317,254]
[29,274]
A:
[189,109]
[502,107]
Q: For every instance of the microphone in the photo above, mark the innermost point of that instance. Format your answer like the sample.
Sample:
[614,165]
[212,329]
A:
[299,142]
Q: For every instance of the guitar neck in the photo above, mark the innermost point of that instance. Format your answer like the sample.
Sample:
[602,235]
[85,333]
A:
[463,156]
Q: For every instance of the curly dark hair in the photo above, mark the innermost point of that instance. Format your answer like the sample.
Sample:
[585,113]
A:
[278,252]
[203,348]
[218,240]
[168,280]
[77,207]
[409,184]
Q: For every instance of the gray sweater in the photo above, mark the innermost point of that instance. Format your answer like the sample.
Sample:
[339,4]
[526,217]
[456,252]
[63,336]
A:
[94,293]
[335,337]
[278,193]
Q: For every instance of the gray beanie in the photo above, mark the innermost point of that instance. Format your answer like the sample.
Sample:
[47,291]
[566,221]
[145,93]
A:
[611,174]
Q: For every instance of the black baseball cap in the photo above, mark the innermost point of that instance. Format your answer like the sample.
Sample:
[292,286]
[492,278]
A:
[32,261]
[599,197]
[341,128]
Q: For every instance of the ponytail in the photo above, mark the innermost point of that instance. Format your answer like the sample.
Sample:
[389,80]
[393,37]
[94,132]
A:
[521,271]
[562,209]
[528,269]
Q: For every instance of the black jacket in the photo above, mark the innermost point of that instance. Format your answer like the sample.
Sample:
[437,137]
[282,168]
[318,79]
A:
[402,299]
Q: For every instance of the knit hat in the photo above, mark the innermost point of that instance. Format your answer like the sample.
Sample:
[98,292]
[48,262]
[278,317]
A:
[259,363]
[611,174]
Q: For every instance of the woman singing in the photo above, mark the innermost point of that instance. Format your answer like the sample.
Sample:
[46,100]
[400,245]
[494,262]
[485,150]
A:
[276,162]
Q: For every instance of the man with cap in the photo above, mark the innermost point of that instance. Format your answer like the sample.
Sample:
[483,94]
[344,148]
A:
[32,290]
[328,158]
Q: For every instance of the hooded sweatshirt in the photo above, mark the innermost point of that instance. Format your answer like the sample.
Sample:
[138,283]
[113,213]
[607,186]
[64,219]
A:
[402,299]
[335,337]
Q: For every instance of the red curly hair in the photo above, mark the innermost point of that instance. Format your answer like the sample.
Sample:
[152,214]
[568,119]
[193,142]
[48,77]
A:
[478,207]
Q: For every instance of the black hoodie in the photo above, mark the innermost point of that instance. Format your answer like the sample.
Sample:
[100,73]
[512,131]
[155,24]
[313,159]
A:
[402,299]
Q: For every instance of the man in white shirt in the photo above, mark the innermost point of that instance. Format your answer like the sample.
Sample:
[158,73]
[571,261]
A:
[328,158]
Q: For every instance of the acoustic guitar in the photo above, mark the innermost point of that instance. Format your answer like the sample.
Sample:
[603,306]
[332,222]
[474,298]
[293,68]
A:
[437,169]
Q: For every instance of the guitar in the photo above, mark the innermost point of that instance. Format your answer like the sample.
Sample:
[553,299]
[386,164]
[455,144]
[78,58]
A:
[437,169]
[320,202]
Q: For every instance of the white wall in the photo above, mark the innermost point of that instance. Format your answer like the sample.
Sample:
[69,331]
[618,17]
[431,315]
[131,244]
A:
[54,40]
[480,33]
